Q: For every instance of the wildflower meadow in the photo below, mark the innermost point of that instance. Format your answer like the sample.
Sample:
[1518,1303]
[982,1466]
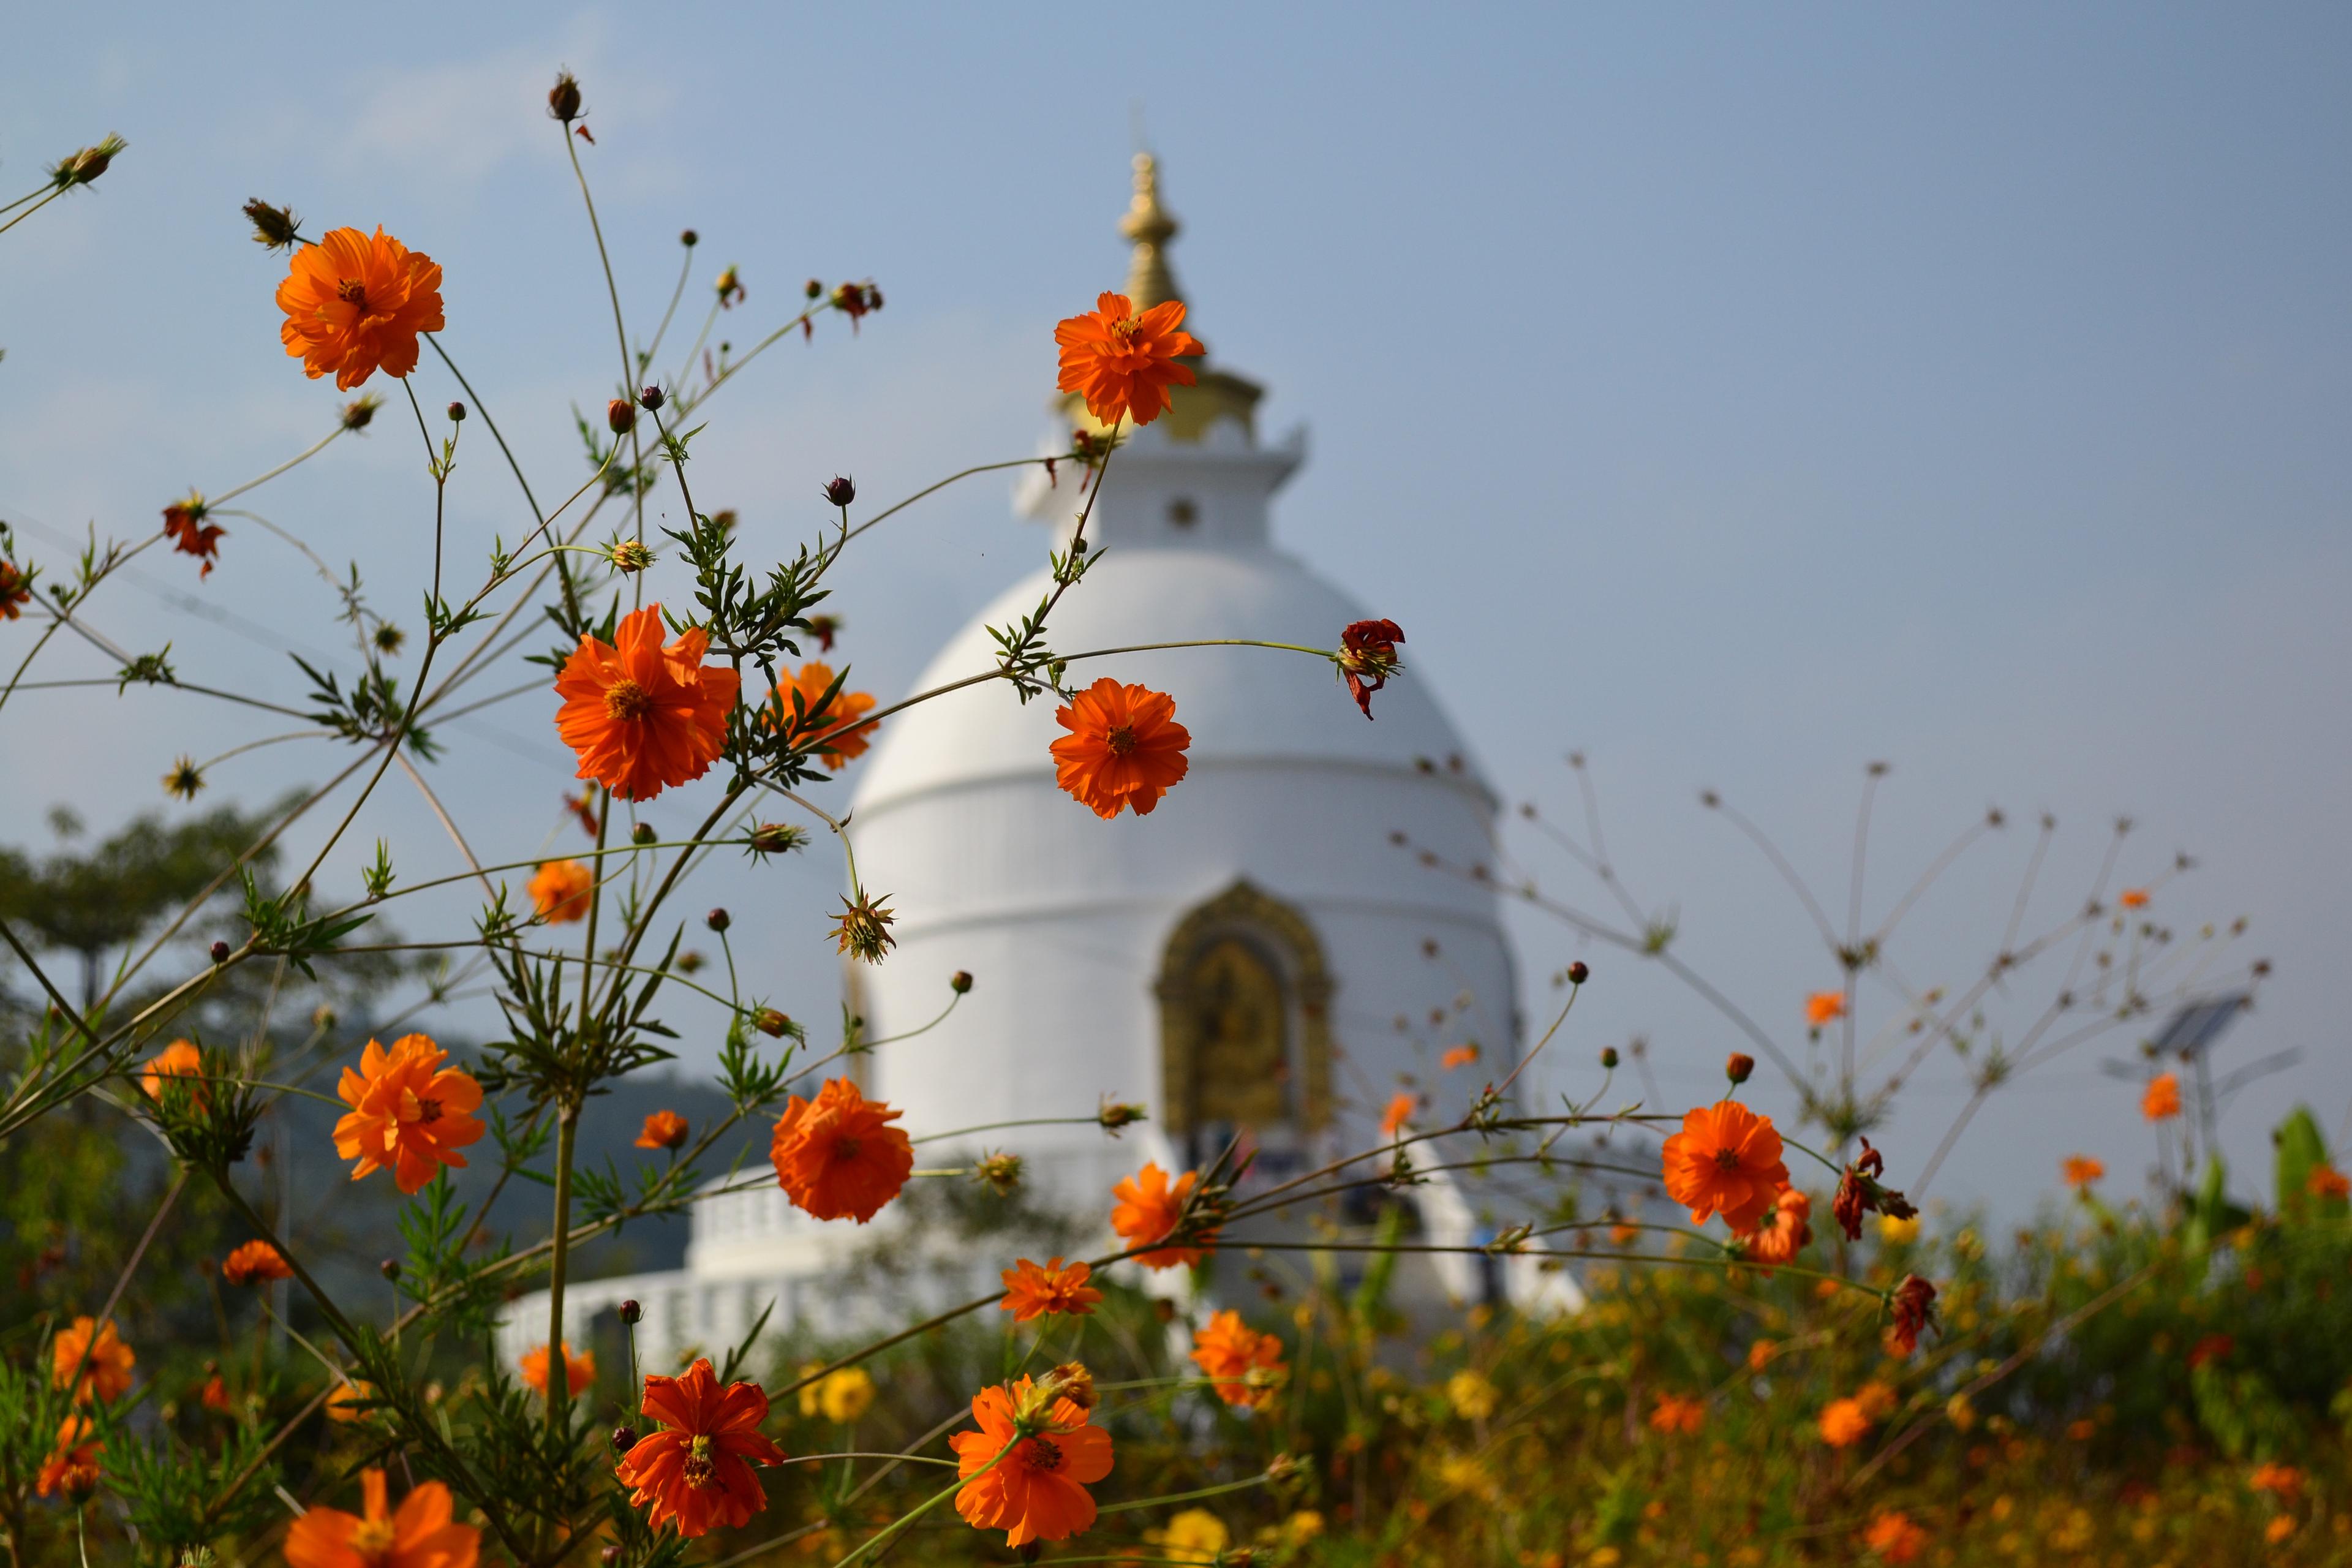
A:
[1765,1345]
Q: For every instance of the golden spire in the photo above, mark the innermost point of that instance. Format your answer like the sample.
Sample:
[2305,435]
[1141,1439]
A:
[1151,226]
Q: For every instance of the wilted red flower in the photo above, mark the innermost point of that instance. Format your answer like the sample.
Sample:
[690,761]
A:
[837,1156]
[663,1130]
[584,809]
[355,304]
[1035,1291]
[183,524]
[696,1472]
[1367,656]
[1727,1158]
[1242,1365]
[643,716]
[1859,1192]
[1124,749]
[255,1263]
[1148,1210]
[2212,1347]
[2162,1101]
[1915,1309]
[1122,363]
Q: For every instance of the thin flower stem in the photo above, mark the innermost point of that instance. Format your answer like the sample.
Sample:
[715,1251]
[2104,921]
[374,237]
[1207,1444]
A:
[1183,1496]
[54,193]
[995,1126]
[130,1267]
[570,595]
[653,351]
[899,1526]
[932,490]
[311,451]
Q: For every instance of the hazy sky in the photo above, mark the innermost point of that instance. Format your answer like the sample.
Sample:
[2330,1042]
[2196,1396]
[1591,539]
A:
[1737,395]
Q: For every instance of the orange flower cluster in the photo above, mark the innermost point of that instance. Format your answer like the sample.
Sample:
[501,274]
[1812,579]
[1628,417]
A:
[1781,1232]
[2284,1482]
[1032,1291]
[837,1156]
[255,1263]
[409,1113]
[1894,1538]
[1845,1422]
[1459,1057]
[1123,364]
[1824,1008]
[1242,1365]
[422,1534]
[663,1130]
[2081,1170]
[2327,1184]
[696,1472]
[836,728]
[560,891]
[1400,1111]
[1124,748]
[93,1358]
[356,303]
[1678,1413]
[71,1469]
[1026,1471]
[1727,1158]
[1149,1208]
[2162,1101]
[643,718]
[579,1371]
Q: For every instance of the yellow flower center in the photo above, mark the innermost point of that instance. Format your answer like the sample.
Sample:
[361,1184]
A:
[372,1539]
[628,701]
[700,1469]
[1041,1455]
[352,293]
[1121,740]
[1124,330]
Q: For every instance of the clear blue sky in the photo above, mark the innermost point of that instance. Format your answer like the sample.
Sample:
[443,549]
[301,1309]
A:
[1737,393]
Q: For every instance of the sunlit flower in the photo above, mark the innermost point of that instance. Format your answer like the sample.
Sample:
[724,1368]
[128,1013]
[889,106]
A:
[1459,1057]
[645,718]
[837,1156]
[1124,748]
[1781,1232]
[1897,1229]
[1400,1111]
[1473,1396]
[1367,656]
[2133,898]
[71,1469]
[1894,1538]
[2280,1527]
[1148,1209]
[2162,1101]
[424,1532]
[408,1112]
[663,1130]
[1824,1008]
[15,590]
[841,1396]
[255,1263]
[560,891]
[179,1060]
[1033,1487]
[1845,1422]
[579,1371]
[1191,1535]
[835,730]
[1915,1309]
[1678,1413]
[355,304]
[184,525]
[2327,1182]
[696,1472]
[1122,363]
[2081,1170]
[1242,1365]
[1033,1291]
[106,1374]
[1726,1157]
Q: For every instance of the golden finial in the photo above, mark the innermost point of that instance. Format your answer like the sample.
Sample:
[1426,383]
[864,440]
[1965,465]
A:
[1151,226]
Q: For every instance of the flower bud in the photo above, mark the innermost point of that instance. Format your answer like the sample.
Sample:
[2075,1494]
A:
[457,413]
[776,838]
[960,982]
[841,492]
[323,1017]
[389,1269]
[1001,1171]
[631,1311]
[220,953]
[813,289]
[1609,1057]
[360,410]
[620,417]
[771,1023]
[564,98]
[623,1439]
[629,555]
[688,238]
[1578,973]
[644,833]
[1113,1116]
[274,229]
[86,165]
[1738,1067]
[649,398]
[717,920]
[610,1554]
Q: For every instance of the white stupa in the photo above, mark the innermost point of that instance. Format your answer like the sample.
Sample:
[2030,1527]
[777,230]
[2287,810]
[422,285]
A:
[1255,955]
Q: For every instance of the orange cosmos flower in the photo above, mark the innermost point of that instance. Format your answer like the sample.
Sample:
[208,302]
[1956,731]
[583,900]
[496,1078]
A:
[1781,1232]
[424,1532]
[2327,1182]
[2081,1170]
[255,1263]
[1877,1399]
[1149,1207]
[1725,1157]
[663,1130]
[408,1112]
[1031,1292]
[1124,748]
[1037,1491]
[2162,1101]
[1459,1057]
[579,1371]
[696,1472]
[836,727]
[1760,1353]
[15,590]
[216,1396]
[560,891]
[1243,1365]
[1674,1413]
[106,1373]
[179,1060]
[342,1405]
[2283,1481]
[1824,1008]
[1622,1234]
[837,1156]
[643,716]
[355,305]
[2133,898]
[1393,1119]
[71,1467]
[1894,1538]
[1845,1422]
[1122,363]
